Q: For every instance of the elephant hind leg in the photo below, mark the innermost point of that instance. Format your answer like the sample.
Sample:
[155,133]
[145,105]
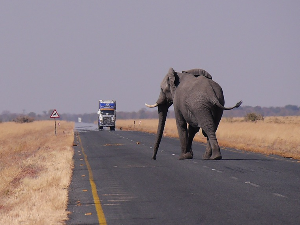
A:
[208,151]
[216,153]
[212,149]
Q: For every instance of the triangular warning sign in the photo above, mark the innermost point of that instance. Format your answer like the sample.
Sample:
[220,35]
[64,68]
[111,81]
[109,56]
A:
[54,114]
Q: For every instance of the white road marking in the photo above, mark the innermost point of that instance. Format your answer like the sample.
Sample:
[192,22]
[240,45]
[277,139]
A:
[218,171]
[252,184]
[279,195]
[111,204]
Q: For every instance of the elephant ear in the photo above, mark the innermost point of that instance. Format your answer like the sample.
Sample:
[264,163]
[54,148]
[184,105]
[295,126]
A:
[168,84]
[168,81]
[198,72]
[165,84]
[172,81]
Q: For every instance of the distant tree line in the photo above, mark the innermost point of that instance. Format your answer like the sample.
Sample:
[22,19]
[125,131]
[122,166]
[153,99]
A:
[288,110]
[7,116]
[142,114]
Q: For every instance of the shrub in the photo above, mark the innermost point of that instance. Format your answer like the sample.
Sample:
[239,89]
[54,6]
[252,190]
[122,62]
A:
[253,117]
[23,119]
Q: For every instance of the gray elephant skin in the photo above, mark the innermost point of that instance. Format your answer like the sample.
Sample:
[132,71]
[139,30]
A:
[198,103]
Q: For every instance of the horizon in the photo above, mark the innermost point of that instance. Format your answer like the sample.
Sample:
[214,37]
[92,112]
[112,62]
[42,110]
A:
[143,108]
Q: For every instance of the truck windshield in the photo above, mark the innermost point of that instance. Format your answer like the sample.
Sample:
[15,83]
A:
[107,112]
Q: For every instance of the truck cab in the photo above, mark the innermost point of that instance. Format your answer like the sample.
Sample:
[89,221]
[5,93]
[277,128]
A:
[107,114]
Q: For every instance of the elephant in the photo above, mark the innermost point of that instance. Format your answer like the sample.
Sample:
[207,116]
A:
[198,103]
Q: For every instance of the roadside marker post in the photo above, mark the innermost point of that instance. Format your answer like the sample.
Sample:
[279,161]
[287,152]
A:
[54,115]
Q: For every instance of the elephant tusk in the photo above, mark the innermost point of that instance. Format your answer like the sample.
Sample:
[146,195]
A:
[151,106]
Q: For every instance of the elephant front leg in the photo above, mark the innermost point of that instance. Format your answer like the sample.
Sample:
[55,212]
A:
[183,137]
[191,134]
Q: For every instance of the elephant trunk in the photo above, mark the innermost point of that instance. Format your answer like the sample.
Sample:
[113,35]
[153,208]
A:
[162,115]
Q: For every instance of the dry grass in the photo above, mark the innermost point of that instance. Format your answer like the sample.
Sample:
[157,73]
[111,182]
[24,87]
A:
[35,169]
[273,135]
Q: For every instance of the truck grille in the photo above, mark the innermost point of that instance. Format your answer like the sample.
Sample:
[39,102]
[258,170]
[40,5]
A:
[107,121]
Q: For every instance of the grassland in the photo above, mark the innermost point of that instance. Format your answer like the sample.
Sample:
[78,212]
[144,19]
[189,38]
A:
[35,170]
[273,135]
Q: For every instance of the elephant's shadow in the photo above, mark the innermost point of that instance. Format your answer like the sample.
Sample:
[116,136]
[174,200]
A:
[244,159]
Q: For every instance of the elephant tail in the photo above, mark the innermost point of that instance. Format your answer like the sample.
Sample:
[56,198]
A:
[217,103]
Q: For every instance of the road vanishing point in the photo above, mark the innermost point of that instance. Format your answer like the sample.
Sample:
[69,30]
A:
[115,182]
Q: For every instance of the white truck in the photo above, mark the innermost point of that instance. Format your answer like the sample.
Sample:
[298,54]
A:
[107,114]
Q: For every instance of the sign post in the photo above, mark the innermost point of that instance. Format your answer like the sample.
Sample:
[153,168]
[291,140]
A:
[54,115]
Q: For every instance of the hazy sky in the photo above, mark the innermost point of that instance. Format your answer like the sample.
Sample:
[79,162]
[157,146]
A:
[69,54]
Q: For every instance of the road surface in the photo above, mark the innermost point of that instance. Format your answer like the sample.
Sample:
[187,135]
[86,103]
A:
[116,182]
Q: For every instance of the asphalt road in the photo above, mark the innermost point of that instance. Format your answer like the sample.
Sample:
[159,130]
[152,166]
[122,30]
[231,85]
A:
[116,182]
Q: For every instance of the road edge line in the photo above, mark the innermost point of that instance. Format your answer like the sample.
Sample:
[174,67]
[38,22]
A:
[99,210]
